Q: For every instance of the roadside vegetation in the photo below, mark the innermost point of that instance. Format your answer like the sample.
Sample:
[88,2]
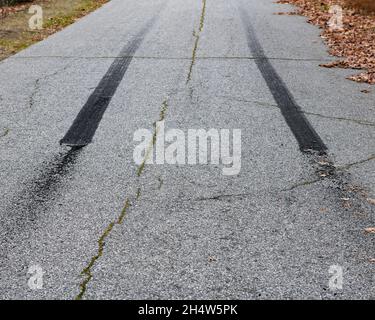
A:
[354,43]
[15,33]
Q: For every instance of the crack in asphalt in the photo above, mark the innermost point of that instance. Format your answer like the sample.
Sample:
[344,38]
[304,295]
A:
[196,35]
[223,196]
[298,184]
[163,111]
[37,84]
[246,194]
[34,92]
[139,193]
[161,182]
[325,169]
[275,106]
[357,121]
[333,173]
[101,243]
[353,164]
[302,184]
[5,133]
[140,170]
[87,271]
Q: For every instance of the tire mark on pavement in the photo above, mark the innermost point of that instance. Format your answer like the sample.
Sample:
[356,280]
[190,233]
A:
[34,198]
[47,181]
[303,131]
[87,121]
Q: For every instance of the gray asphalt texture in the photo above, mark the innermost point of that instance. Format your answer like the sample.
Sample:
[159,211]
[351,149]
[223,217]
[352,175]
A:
[271,232]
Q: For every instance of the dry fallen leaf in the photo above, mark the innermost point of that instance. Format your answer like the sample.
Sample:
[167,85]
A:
[323,163]
[347,205]
[371,201]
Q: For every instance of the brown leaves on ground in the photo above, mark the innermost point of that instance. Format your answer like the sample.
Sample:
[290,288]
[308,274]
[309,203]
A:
[363,5]
[370,230]
[355,43]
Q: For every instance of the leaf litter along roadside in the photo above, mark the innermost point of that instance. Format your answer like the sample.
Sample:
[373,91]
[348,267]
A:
[15,34]
[355,43]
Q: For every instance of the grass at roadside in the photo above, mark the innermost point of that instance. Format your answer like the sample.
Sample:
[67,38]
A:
[15,34]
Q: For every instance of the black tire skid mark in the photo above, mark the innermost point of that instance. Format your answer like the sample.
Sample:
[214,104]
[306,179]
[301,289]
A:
[29,204]
[306,136]
[88,119]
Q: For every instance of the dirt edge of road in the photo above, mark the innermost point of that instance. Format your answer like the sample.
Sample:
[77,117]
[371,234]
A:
[15,21]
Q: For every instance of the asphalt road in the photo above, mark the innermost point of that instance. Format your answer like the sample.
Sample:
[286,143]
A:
[101,227]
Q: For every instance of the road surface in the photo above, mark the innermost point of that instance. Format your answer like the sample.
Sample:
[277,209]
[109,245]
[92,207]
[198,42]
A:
[92,224]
